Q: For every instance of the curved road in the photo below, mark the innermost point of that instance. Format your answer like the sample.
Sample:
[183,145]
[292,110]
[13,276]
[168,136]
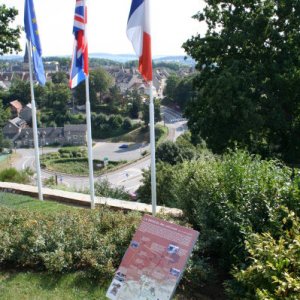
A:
[129,176]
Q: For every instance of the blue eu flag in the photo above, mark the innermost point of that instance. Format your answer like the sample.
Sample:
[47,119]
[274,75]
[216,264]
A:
[32,34]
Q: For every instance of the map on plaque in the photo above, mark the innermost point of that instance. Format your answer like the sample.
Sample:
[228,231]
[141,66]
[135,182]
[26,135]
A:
[154,262]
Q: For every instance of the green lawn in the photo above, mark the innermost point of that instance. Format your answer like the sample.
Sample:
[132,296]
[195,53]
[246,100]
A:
[140,135]
[79,166]
[25,202]
[7,160]
[43,286]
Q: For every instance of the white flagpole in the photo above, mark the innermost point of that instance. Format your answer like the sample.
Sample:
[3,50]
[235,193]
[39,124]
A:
[89,129]
[34,126]
[90,142]
[152,147]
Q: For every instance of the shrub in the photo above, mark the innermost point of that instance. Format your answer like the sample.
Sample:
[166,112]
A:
[12,175]
[274,270]
[59,242]
[165,182]
[127,124]
[104,189]
[228,198]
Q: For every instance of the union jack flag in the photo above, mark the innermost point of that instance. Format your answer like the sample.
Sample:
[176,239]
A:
[80,60]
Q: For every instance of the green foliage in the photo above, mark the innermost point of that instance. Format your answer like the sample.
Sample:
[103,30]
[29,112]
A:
[274,264]
[73,160]
[168,152]
[12,175]
[127,124]
[99,82]
[59,77]
[4,115]
[72,151]
[9,36]
[230,197]
[58,97]
[171,85]
[43,285]
[165,180]
[108,126]
[91,240]
[248,84]
[135,104]
[145,110]
[104,189]
[173,153]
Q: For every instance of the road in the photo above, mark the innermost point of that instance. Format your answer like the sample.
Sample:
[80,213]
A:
[129,176]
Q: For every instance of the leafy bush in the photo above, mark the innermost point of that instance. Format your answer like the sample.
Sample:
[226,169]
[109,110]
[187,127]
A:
[168,152]
[94,241]
[127,124]
[104,189]
[165,180]
[274,270]
[72,152]
[228,198]
[12,175]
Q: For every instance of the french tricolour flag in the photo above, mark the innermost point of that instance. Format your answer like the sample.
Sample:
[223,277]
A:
[138,32]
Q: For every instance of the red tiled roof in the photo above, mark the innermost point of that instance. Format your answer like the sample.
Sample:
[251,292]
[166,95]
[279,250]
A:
[16,104]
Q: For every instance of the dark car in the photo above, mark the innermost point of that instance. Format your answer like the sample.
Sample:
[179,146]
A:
[123,146]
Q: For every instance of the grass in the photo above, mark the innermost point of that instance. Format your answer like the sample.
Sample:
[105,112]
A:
[78,166]
[138,135]
[20,202]
[7,161]
[41,286]
[141,135]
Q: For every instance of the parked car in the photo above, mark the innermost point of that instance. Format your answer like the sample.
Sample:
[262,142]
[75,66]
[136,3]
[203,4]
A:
[123,146]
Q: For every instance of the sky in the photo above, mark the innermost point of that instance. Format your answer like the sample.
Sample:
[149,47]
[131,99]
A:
[171,25]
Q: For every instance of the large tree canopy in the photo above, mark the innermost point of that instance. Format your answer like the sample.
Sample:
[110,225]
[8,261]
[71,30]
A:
[8,36]
[248,88]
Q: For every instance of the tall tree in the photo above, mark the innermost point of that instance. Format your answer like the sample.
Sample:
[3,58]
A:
[134,103]
[58,97]
[171,85]
[100,82]
[248,90]
[8,36]
[4,115]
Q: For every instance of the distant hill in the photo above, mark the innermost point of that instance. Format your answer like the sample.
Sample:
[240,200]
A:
[129,57]
[11,57]
[122,58]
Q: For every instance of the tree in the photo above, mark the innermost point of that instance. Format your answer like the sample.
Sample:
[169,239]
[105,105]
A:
[184,91]
[248,87]
[59,77]
[58,97]
[9,36]
[4,115]
[168,152]
[134,103]
[20,90]
[165,183]
[157,116]
[100,82]
[171,85]
[115,121]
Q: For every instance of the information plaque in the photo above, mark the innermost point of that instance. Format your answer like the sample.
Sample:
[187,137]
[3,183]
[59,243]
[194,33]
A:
[154,262]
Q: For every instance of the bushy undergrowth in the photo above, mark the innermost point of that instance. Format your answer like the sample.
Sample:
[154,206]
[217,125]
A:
[274,270]
[228,199]
[12,175]
[63,242]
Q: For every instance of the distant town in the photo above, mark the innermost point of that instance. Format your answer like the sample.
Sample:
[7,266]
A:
[124,78]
